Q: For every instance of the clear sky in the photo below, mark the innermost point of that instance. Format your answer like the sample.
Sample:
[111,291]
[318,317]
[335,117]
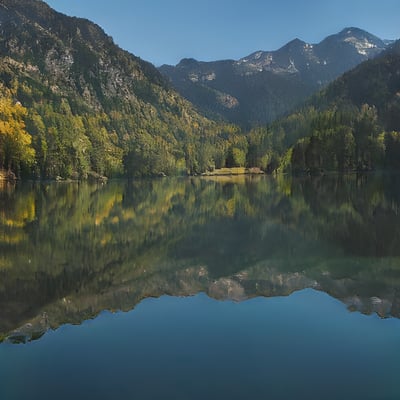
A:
[165,31]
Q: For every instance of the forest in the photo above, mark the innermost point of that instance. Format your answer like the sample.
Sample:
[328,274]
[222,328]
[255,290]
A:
[49,141]
[46,136]
[352,125]
[73,105]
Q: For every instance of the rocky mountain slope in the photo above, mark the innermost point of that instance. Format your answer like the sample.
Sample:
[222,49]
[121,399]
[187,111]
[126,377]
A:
[92,107]
[266,84]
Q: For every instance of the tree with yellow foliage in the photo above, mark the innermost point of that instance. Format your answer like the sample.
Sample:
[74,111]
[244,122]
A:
[16,151]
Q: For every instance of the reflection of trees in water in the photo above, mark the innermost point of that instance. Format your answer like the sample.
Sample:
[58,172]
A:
[358,213]
[109,246]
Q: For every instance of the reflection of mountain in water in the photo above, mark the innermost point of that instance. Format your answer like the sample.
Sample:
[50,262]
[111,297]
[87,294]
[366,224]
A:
[70,251]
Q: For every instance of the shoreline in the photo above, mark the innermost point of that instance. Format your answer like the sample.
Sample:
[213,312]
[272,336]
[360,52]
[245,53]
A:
[234,171]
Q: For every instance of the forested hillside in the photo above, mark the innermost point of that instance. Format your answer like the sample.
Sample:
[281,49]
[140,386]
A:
[84,107]
[353,124]
[75,105]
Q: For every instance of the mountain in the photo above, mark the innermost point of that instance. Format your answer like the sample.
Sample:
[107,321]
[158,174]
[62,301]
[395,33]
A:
[376,83]
[353,124]
[266,84]
[86,107]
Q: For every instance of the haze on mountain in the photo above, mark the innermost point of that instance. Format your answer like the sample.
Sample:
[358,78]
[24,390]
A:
[265,85]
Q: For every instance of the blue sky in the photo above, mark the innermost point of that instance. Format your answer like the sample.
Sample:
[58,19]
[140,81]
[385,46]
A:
[165,31]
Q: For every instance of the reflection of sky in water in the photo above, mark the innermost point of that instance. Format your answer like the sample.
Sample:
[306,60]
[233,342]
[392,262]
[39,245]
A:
[68,252]
[303,346]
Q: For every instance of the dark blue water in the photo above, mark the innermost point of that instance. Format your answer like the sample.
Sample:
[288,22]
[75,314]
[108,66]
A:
[231,289]
[305,346]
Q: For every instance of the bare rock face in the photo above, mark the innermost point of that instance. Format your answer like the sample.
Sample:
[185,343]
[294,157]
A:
[71,54]
[264,85]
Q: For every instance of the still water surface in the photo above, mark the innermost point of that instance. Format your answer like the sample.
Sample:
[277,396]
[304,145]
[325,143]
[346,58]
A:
[231,288]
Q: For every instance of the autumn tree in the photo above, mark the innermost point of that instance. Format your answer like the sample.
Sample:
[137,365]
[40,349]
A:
[16,151]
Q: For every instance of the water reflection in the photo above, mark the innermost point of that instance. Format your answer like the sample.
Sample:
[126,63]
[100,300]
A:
[69,251]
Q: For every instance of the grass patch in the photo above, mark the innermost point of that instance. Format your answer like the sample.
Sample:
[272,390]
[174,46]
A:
[233,171]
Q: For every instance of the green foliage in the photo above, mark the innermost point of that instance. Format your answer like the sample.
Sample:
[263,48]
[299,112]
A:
[91,109]
[264,146]
[338,141]
[392,146]
[344,127]
[94,109]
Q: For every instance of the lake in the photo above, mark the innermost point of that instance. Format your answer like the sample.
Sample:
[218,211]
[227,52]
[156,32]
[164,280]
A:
[201,288]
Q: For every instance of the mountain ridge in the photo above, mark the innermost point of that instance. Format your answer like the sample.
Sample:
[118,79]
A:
[284,77]
[92,107]
[351,125]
